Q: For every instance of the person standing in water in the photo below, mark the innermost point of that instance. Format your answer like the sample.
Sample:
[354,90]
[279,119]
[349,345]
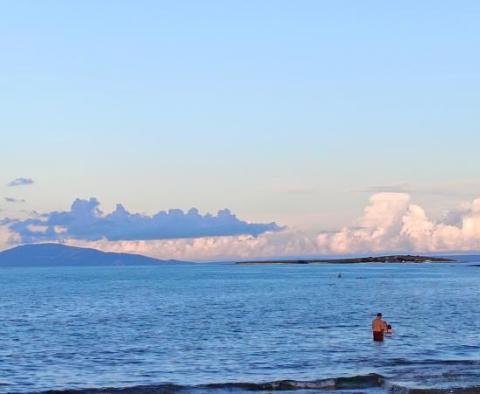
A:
[378,328]
[389,330]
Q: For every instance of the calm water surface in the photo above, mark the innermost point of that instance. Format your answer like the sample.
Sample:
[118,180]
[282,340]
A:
[198,324]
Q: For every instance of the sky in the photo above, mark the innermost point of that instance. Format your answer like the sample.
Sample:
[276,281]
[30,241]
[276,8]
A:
[209,130]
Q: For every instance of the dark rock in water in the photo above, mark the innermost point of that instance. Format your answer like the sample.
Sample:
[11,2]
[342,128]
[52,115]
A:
[50,254]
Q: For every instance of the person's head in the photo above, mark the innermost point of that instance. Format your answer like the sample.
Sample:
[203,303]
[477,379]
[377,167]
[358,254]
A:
[379,315]
[389,327]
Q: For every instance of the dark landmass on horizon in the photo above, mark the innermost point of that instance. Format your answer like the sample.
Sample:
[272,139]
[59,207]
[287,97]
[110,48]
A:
[58,255]
[53,254]
[356,260]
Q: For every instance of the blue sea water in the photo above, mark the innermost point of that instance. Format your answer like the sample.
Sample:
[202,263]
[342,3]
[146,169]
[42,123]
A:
[183,327]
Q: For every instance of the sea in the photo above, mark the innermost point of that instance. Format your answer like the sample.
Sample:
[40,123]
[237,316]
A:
[226,328]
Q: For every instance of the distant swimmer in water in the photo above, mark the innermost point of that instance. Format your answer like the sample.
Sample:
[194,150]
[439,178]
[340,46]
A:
[378,328]
[339,275]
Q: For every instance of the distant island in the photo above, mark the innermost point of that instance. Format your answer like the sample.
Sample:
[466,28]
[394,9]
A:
[355,260]
[51,254]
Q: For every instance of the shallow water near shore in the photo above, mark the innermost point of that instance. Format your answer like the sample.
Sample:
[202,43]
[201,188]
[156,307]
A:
[242,328]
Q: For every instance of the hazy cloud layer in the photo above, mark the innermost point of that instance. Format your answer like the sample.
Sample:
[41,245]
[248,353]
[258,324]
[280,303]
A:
[21,182]
[402,187]
[281,243]
[14,200]
[85,221]
[458,189]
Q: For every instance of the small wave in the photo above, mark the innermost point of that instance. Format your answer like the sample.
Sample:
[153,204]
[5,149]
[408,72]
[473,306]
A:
[369,381]
[353,382]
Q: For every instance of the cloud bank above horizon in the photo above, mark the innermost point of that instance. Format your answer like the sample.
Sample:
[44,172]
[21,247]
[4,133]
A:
[85,221]
[389,223]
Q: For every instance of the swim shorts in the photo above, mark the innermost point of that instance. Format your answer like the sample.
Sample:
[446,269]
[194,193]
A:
[378,336]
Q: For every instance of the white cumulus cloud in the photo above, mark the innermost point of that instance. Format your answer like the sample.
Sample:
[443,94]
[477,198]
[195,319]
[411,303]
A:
[391,222]
[8,238]
[270,244]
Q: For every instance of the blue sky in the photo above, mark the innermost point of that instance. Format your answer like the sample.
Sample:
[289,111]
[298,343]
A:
[292,112]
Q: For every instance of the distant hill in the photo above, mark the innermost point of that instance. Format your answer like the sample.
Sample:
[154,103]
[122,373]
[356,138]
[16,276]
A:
[50,254]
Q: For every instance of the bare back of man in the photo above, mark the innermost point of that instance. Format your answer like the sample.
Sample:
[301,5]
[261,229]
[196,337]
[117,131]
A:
[378,327]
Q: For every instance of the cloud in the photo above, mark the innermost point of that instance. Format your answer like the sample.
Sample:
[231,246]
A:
[21,182]
[37,229]
[8,238]
[448,190]
[270,244]
[85,221]
[390,222]
[402,187]
[14,200]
